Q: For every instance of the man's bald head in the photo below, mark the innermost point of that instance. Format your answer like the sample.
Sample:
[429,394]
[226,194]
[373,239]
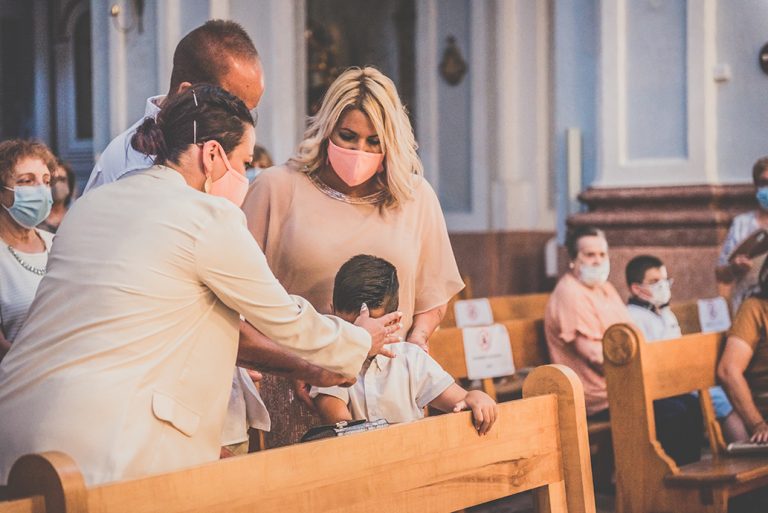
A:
[220,52]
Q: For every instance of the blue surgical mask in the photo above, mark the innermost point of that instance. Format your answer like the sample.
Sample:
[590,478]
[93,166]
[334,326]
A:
[762,197]
[31,204]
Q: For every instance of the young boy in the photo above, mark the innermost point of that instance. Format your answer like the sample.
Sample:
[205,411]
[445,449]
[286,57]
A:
[650,289]
[396,389]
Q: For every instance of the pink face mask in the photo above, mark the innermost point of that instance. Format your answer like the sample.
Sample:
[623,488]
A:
[353,166]
[231,185]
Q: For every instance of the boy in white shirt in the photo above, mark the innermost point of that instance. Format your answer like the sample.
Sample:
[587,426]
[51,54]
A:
[650,289]
[395,389]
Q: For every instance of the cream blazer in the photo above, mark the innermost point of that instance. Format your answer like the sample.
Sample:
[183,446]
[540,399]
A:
[125,361]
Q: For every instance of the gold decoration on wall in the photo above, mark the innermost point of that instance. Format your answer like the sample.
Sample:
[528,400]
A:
[453,67]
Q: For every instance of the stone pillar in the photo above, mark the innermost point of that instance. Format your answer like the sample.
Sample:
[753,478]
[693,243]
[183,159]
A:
[684,226]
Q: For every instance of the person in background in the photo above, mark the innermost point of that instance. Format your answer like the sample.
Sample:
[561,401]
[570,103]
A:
[742,273]
[62,190]
[25,176]
[650,293]
[743,368]
[394,389]
[219,52]
[355,186]
[579,311]
[261,160]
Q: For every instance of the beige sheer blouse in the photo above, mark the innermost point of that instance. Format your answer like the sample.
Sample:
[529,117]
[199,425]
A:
[307,234]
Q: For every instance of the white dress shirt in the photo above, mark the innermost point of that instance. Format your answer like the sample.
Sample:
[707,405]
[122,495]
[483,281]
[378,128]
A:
[119,158]
[395,389]
[125,362]
[655,326]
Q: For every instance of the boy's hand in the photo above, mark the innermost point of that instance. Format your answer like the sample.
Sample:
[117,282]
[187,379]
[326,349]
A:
[484,409]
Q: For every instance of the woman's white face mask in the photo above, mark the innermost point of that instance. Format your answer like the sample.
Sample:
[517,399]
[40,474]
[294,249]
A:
[593,275]
[591,265]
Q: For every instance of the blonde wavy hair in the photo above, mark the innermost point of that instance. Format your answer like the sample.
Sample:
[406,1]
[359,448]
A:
[371,92]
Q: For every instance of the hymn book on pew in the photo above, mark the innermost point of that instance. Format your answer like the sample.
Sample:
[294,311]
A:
[754,245]
[737,448]
[343,428]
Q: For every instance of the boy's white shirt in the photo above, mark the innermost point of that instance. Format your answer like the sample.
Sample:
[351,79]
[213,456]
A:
[396,389]
[661,326]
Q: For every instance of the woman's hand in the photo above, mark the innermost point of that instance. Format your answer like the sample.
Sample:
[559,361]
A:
[382,330]
[424,324]
[741,265]
[484,409]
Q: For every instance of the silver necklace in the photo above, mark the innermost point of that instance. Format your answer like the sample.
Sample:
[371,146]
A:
[371,199]
[29,267]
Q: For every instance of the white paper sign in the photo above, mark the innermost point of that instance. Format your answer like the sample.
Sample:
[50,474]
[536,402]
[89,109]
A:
[713,315]
[488,352]
[473,312]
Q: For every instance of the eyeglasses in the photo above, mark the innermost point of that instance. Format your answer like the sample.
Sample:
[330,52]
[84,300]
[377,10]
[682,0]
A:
[670,281]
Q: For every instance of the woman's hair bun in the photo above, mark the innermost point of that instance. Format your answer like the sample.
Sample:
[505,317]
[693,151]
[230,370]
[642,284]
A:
[149,139]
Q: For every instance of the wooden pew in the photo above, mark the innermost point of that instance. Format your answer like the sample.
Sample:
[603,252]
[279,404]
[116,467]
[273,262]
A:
[648,480]
[504,308]
[526,336]
[687,314]
[529,350]
[437,464]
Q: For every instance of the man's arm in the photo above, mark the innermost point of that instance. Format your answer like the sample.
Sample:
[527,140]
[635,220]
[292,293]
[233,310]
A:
[730,371]
[331,409]
[591,351]
[256,351]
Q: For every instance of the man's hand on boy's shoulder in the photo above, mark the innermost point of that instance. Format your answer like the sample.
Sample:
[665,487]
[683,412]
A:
[484,409]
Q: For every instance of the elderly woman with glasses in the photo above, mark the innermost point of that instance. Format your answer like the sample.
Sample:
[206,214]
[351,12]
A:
[25,196]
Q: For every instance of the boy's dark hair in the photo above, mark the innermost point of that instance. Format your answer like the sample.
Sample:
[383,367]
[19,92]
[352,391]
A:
[202,56]
[572,239]
[366,279]
[637,267]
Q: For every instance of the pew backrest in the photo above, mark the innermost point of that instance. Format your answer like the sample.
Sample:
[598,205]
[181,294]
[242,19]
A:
[526,338]
[687,314]
[505,308]
[638,373]
[434,465]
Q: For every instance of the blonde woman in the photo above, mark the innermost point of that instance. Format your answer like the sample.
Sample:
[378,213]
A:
[355,186]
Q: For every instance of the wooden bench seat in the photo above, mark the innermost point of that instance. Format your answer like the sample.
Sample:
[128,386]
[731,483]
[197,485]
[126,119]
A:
[648,480]
[749,470]
[437,464]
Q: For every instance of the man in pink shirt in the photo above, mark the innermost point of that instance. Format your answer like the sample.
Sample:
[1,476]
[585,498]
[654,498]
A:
[580,310]
[582,306]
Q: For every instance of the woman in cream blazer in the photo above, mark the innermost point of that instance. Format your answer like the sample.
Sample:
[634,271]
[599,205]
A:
[126,358]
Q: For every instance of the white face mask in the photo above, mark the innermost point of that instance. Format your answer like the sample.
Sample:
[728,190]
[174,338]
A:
[660,292]
[592,275]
